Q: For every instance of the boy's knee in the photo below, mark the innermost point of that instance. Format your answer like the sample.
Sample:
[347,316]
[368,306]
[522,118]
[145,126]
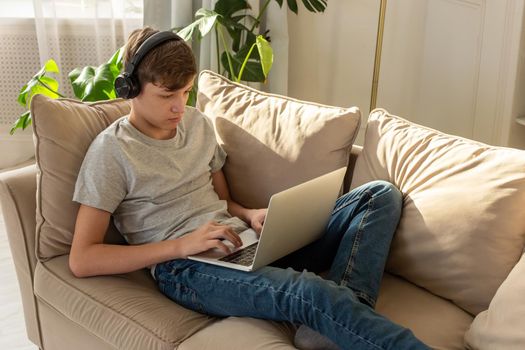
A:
[388,191]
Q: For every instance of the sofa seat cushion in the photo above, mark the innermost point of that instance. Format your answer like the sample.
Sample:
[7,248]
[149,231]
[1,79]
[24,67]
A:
[437,322]
[126,311]
[236,333]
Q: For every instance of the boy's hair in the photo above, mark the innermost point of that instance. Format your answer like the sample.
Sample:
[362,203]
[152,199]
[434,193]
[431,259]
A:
[170,64]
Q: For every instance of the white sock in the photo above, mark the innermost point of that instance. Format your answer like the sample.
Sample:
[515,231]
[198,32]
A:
[308,339]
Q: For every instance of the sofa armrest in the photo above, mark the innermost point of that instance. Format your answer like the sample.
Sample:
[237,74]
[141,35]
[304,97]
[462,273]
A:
[18,202]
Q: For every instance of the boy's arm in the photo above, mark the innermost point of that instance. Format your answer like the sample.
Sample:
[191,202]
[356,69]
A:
[90,256]
[253,217]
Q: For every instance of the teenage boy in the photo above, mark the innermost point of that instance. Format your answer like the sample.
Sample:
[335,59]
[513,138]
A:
[158,172]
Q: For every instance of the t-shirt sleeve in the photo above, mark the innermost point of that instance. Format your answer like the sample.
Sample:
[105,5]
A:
[219,154]
[101,180]
[218,159]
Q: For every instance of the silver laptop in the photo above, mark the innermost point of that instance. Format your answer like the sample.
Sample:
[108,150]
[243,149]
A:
[296,217]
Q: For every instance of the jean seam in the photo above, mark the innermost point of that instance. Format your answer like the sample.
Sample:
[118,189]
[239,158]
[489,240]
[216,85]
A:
[355,248]
[324,314]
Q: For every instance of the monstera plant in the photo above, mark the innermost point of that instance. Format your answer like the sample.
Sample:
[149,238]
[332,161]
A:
[235,20]
[237,34]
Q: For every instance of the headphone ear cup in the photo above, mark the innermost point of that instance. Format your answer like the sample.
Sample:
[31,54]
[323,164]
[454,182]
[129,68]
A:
[123,85]
[134,86]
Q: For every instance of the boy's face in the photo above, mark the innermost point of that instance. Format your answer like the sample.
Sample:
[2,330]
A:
[157,111]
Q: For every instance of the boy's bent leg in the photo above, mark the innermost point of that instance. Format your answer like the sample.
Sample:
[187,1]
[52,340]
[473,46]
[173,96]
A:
[366,219]
[282,295]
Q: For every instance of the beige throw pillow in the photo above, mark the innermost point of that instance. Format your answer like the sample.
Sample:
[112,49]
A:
[274,142]
[63,130]
[462,228]
[502,326]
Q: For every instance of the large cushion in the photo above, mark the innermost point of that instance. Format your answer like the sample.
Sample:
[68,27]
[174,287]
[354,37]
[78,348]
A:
[126,311]
[63,130]
[274,142]
[462,229]
[502,326]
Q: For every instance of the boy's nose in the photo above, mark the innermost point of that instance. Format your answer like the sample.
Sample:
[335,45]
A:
[178,106]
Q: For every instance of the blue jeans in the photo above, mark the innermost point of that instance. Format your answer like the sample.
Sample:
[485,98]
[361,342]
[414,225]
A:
[354,249]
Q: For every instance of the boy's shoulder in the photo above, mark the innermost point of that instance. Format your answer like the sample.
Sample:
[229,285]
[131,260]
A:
[194,113]
[110,135]
[193,116]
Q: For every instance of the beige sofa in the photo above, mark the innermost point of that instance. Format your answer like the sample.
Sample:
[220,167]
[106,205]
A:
[454,275]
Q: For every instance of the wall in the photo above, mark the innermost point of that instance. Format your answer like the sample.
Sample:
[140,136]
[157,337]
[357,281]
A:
[453,65]
[331,54]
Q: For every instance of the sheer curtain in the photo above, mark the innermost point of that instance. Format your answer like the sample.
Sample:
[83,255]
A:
[75,33]
[167,14]
[78,33]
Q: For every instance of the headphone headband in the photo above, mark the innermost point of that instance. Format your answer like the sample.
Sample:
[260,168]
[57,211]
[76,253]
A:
[148,44]
[126,84]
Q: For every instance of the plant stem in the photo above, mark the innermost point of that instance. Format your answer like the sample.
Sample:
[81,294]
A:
[258,19]
[47,87]
[245,62]
[227,53]
[217,47]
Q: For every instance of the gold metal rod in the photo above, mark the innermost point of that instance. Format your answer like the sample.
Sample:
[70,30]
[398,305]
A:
[377,59]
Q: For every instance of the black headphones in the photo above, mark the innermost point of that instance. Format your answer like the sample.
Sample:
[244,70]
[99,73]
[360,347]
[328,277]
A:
[126,84]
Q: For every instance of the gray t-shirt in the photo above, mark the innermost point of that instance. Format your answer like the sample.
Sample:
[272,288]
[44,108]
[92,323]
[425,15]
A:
[155,189]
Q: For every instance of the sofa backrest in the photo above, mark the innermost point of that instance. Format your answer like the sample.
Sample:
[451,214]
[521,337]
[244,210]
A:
[462,229]
[274,142]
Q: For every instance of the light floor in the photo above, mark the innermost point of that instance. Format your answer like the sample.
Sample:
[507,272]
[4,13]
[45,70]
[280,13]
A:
[12,326]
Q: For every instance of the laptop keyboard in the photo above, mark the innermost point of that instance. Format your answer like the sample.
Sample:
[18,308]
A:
[243,256]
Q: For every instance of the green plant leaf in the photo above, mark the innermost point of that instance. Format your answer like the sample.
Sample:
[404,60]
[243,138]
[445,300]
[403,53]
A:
[40,80]
[204,23]
[192,99]
[315,5]
[292,5]
[239,32]
[280,2]
[94,83]
[51,83]
[252,71]
[308,6]
[22,122]
[311,5]
[227,8]
[266,54]
[117,57]
[51,66]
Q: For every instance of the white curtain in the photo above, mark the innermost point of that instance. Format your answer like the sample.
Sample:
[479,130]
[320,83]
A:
[75,33]
[79,33]
[167,14]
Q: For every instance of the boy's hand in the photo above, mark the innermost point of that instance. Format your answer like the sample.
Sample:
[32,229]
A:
[208,236]
[257,217]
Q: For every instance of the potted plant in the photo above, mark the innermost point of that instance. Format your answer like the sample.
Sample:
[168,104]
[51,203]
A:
[239,59]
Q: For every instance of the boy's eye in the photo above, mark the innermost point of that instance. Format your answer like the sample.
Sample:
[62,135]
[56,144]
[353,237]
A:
[167,96]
